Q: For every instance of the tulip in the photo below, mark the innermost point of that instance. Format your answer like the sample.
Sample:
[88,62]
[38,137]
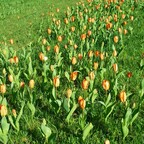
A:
[90,53]
[72,18]
[106,85]
[123,16]
[129,74]
[14,113]
[22,84]
[3,110]
[115,67]
[80,56]
[10,78]
[102,56]
[68,93]
[41,56]
[11,41]
[108,26]
[56,49]
[49,31]
[115,39]
[97,53]
[31,84]
[73,75]
[125,31]
[122,96]
[74,60]
[95,65]
[44,41]
[91,75]
[81,102]
[59,38]
[85,84]
[16,60]
[114,53]
[89,32]
[56,81]
[72,28]
[66,21]
[48,48]
[107,142]
[3,88]
[83,36]
[131,18]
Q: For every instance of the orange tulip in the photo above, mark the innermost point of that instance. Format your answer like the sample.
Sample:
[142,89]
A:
[72,18]
[41,56]
[49,31]
[66,21]
[59,38]
[106,85]
[44,41]
[85,84]
[89,32]
[107,142]
[75,46]
[56,81]
[73,75]
[90,53]
[97,53]
[74,60]
[16,60]
[83,36]
[22,84]
[80,56]
[81,102]
[116,39]
[72,28]
[114,53]
[14,113]
[122,96]
[115,67]
[56,49]
[108,26]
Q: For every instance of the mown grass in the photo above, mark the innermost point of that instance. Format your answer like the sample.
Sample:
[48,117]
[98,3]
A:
[129,60]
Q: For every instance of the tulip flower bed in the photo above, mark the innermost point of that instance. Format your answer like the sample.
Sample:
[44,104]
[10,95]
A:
[73,85]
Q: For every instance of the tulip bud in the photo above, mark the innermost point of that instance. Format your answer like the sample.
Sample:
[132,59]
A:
[3,110]
[56,81]
[74,60]
[125,31]
[22,84]
[75,46]
[131,18]
[89,33]
[31,84]
[10,78]
[11,41]
[52,68]
[129,74]
[102,56]
[83,36]
[48,48]
[11,60]
[59,38]
[122,96]
[114,53]
[115,39]
[41,56]
[85,84]
[73,75]
[49,31]
[81,102]
[115,68]
[16,60]
[106,85]
[66,21]
[108,26]
[68,93]
[97,53]
[90,53]
[72,18]
[44,41]
[72,28]
[3,88]
[4,71]
[91,75]
[56,49]
[80,56]
[95,65]
[14,113]
[107,142]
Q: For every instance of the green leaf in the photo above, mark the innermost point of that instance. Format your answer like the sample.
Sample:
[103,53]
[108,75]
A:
[30,67]
[127,116]
[108,99]
[66,104]
[125,131]
[19,116]
[71,112]
[134,115]
[67,75]
[109,111]
[31,107]
[46,130]
[87,130]
[4,125]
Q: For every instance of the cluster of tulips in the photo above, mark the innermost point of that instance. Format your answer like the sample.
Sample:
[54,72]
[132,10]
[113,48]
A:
[74,65]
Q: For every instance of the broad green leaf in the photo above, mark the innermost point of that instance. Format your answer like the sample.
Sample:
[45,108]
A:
[87,130]
[66,104]
[108,99]
[71,112]
[4,125]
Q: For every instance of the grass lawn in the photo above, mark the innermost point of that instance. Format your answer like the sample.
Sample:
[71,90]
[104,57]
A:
[44,113]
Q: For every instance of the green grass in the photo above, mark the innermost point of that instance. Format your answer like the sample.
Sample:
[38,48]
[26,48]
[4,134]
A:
[20,20]
[63,133]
